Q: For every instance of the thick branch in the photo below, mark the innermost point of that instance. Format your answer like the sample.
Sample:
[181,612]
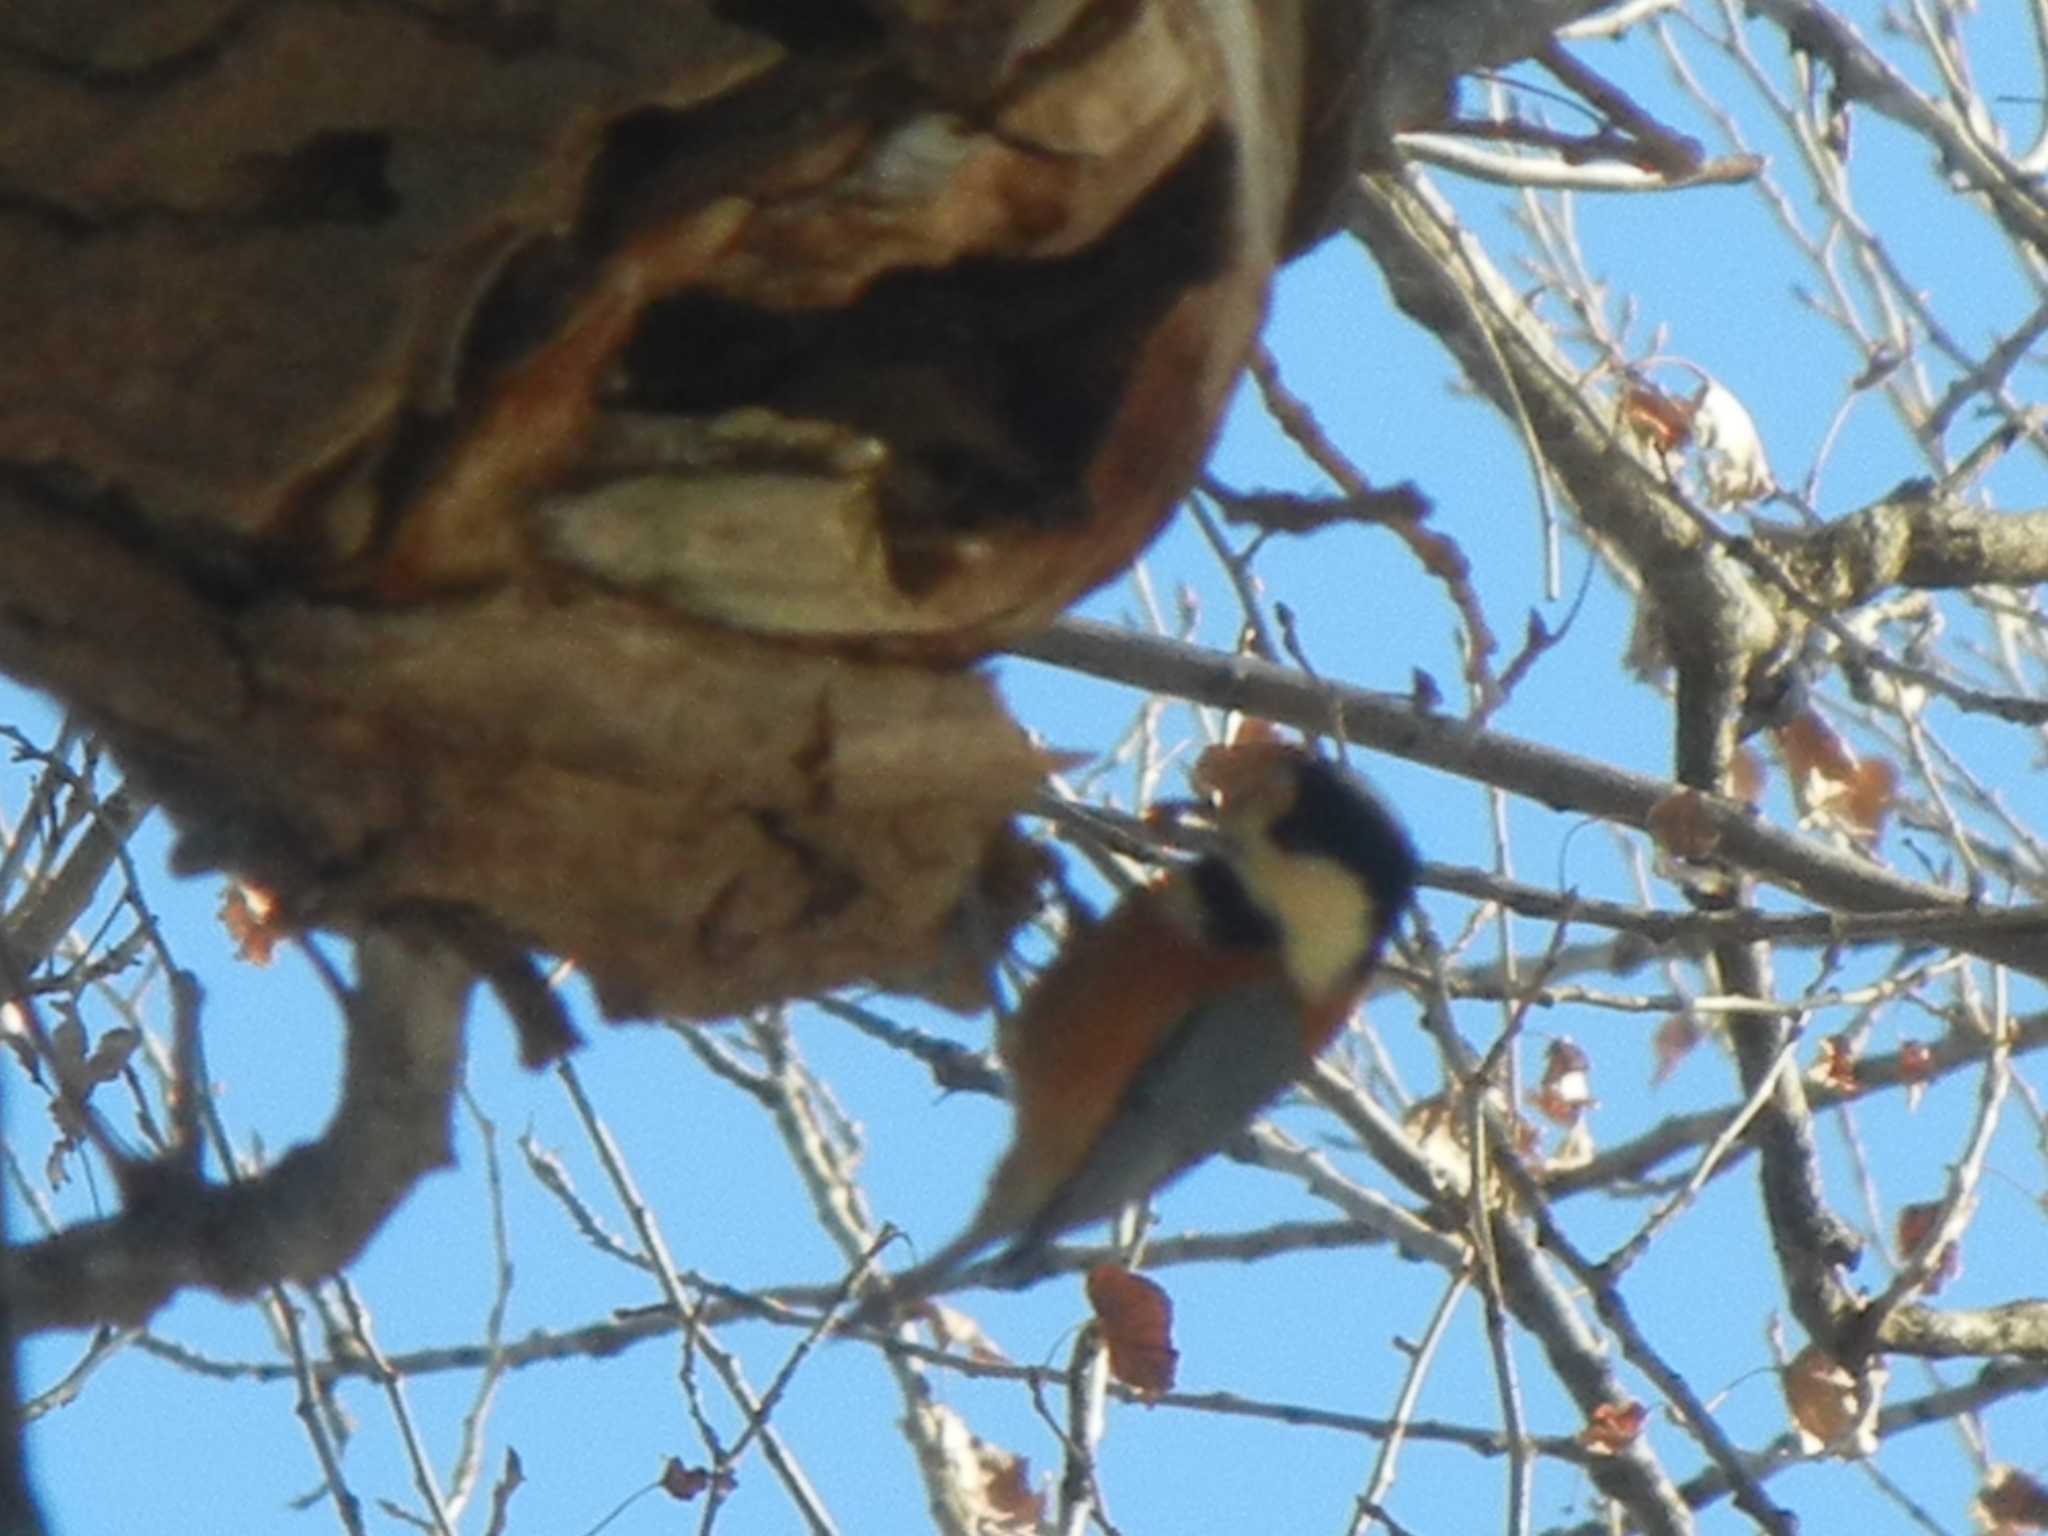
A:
[1912,539]
[1994,1384]
[1425,45]
[1714,622]
[1558,779]
[1640,1157]
[2017,1328]
[1862,75]
[1813,1245]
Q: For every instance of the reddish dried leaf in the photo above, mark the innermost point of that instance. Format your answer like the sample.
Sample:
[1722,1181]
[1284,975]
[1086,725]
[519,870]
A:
[2010,1503]
[1566,1092]
[1554,1106]
[250,915]
[683,1483]
[1870,797]
[1680,824]
[1916,1225]
[1856,794]
[1007,1493]
[1836,1064]
[1136,1316]
[1673,1042]
[1659,420]
[1613,1427]
[1916,1070]
[1812,747]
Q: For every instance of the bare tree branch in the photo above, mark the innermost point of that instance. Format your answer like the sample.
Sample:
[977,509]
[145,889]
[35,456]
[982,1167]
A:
[311,1214]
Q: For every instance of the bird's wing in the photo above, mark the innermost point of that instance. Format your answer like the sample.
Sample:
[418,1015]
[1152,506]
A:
[1228,1059]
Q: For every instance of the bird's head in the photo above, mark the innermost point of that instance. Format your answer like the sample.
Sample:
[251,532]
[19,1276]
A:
[1307,859]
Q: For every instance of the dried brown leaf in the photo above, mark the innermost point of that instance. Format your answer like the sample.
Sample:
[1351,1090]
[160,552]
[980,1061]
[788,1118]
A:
[1835,1066]
[1658,420]
[1613,1427]
[1822,1396]
[1681,826]
[251,917]
[1916,1070]
[1869,798]
[2011,1503]
[1136,1316]
[1566,1092]
[1010,1499]
[1811,748]
[683,1483]
[1916,1224]
[1858,794]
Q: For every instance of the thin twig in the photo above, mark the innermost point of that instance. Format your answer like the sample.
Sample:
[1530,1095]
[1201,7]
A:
[423,1478]
[1420,1356]
[689,1310]
[347,1507]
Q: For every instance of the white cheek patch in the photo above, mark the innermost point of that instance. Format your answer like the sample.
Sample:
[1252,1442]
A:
[1324,913]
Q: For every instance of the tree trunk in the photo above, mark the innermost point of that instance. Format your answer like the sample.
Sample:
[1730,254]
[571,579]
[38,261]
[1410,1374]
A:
[546,467]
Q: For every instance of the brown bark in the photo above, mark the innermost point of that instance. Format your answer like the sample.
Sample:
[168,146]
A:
[546,465]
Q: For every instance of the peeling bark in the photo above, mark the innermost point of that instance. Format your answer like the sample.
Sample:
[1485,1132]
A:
[547,466]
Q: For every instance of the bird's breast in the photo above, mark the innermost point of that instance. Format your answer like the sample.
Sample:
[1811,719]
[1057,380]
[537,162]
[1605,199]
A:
[1099,1015]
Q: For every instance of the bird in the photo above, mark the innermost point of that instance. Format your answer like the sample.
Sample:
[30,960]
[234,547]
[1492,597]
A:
[1158,1033]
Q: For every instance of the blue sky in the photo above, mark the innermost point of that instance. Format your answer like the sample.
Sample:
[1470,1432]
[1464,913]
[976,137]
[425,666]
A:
[149,1446]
